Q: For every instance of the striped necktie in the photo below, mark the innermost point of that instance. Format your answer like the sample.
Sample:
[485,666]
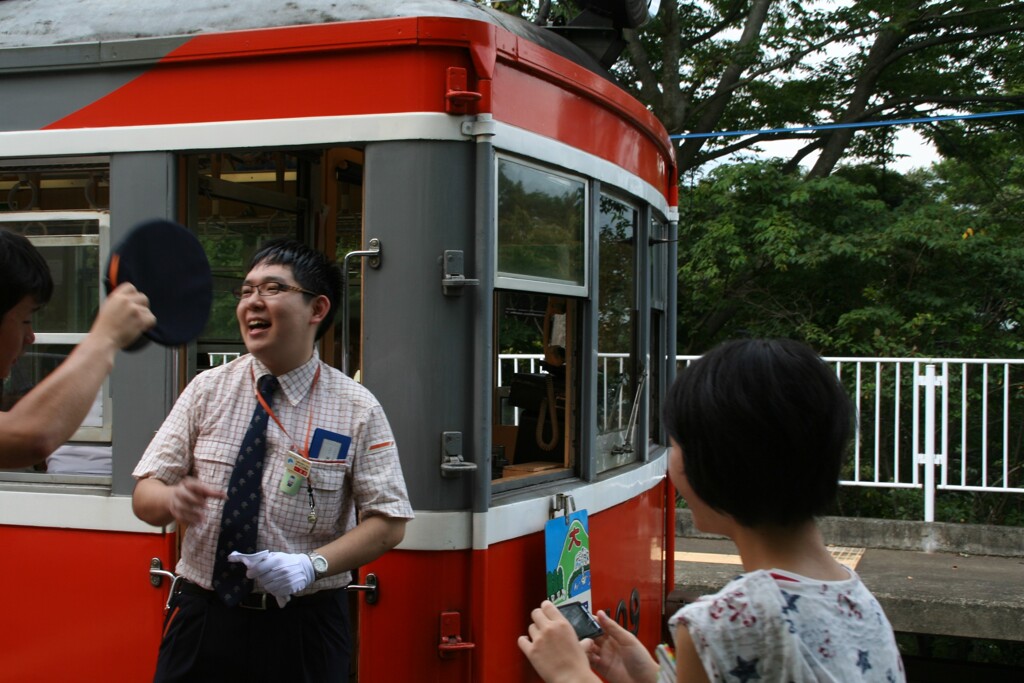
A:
[242,508]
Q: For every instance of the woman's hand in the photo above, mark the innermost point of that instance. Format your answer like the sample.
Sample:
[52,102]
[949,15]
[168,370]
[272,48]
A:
[618,656]
[553,648]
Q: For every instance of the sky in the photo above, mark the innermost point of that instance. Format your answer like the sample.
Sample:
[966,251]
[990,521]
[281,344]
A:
[912,150]
[919,152]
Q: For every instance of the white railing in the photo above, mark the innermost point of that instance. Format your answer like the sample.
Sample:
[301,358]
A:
[614,401]
[937,424]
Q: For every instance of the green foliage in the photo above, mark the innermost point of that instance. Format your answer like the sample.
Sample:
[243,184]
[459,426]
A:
[519,336]
[863,262]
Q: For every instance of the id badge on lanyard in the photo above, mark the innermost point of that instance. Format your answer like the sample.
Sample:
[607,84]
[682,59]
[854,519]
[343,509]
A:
[297,468]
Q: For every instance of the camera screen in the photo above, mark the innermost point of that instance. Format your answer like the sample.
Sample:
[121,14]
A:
[581,620]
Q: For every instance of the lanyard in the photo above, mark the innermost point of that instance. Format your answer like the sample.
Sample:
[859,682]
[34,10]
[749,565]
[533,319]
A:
[270,411]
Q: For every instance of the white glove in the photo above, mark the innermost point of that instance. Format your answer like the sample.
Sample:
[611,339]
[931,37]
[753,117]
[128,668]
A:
[280,574]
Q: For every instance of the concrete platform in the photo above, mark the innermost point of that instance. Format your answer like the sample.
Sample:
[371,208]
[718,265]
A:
[939,593]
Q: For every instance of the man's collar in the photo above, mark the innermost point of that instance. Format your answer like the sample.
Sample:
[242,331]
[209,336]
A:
[295,383]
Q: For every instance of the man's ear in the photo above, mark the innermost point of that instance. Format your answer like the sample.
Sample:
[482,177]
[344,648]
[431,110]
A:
[321,307]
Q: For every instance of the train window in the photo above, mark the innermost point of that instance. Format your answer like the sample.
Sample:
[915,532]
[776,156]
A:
[61,209]
[661,278]
[535,400]
[618,386]
[541,229]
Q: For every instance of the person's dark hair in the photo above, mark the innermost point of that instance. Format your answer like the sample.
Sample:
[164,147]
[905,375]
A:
[312,270]
[23,272]
[764,426]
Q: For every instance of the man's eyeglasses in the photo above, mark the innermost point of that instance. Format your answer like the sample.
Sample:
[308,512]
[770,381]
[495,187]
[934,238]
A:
[267,289]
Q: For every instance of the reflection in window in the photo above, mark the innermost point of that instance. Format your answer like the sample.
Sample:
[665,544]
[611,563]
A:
[540,225]
[618,388]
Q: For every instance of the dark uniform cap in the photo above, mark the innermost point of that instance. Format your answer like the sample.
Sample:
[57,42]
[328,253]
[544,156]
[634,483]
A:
[166,262]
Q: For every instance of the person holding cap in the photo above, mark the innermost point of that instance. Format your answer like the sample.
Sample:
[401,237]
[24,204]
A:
[49,414]
[286,473]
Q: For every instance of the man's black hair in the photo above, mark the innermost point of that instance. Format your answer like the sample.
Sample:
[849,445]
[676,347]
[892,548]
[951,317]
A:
[312,270]
[23,272]
[764,425]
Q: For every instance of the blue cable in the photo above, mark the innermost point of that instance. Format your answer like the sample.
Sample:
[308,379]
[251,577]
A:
[833,126]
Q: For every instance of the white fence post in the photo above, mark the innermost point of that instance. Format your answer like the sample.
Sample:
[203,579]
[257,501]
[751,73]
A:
[929,458]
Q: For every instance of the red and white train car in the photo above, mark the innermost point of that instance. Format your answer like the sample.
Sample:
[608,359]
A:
[494,197]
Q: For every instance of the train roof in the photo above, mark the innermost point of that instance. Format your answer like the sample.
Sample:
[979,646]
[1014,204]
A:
[48,23]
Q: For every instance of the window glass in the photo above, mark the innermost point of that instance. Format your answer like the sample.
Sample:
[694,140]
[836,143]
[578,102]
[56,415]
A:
[38,361]
[345,199]
[540,225]
[75,267]
[617,385]
[245,200]
[535,396]
[77,184]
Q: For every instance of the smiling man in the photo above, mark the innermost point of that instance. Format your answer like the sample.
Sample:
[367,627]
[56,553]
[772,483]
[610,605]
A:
[286,473]
[49,414]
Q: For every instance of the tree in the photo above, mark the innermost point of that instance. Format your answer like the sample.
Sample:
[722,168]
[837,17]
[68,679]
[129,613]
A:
[864,262]
[735,65]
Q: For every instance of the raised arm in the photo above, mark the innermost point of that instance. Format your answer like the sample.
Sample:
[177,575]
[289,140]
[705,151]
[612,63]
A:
[50,413]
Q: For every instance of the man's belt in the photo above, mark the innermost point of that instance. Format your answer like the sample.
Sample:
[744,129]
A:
[258,601]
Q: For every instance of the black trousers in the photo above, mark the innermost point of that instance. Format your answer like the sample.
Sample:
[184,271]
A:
[205,641]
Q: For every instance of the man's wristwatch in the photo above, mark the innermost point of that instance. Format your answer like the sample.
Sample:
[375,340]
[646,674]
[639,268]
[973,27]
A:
[319,564]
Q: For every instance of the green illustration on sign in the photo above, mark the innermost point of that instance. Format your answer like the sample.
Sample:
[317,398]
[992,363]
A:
[567,558]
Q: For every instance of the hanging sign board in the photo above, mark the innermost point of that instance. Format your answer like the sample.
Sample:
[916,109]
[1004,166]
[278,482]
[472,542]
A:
[567,559]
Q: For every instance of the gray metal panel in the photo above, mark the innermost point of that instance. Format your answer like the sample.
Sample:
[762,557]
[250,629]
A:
[418,344]
[33,101]
[486,211]
[141,187]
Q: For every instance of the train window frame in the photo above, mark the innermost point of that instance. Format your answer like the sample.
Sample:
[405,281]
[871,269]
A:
[660,278]
[96,430]
[507,279]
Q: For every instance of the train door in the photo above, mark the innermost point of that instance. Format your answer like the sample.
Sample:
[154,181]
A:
[417,346]
[236,201]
